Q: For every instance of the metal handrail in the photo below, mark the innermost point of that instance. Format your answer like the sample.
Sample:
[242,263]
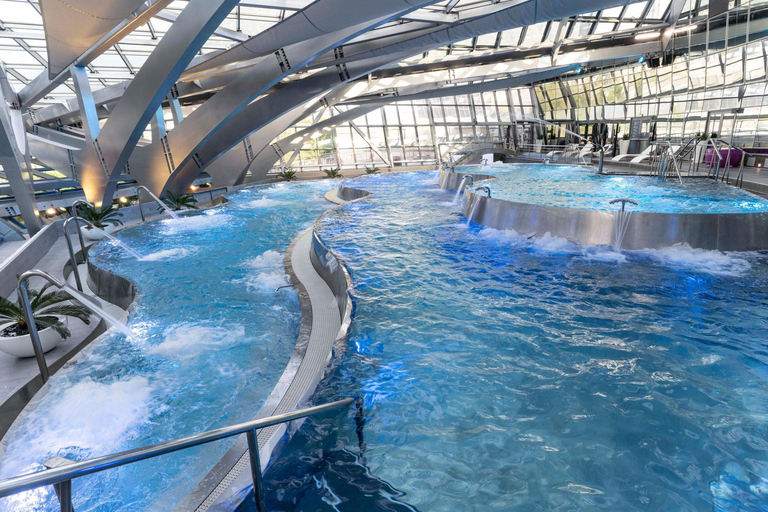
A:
[77,219]
[727,172]
[29,317]
[62,476]
[72,257]
[660,162]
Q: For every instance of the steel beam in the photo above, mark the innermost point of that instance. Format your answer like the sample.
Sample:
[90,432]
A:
[86,104]
[14,156]
[101,166]
[186,139]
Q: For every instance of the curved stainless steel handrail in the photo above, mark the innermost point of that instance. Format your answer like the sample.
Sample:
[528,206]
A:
[72,257]
[64,472]
[29,317]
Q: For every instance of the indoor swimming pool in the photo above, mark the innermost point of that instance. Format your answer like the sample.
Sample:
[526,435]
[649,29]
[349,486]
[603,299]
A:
[580,187]
[504,373]
[212,337]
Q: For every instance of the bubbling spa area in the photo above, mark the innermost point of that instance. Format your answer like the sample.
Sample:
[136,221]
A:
[383,256]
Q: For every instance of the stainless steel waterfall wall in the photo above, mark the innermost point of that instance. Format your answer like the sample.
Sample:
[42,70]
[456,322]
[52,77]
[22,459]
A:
[451,180]
[646,230]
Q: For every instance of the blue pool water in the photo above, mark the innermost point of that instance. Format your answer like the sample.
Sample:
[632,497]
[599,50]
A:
[213,337]
[500,373]
[581,187]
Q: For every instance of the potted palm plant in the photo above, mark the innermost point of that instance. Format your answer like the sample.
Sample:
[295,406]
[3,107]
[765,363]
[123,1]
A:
[178,201]
[332,173]
[48,309]
[371,170]
[106,219]
[287,174]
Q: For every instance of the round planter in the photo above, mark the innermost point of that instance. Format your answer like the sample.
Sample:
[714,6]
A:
[92,234]
[623,147]
[21,346]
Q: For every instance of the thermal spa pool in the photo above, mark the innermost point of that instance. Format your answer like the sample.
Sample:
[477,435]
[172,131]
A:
[580,187]
[496,372]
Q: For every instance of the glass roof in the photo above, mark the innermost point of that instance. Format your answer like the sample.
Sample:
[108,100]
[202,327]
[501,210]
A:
[23,47]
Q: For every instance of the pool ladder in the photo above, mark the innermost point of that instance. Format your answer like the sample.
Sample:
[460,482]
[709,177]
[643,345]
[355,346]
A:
[61,471]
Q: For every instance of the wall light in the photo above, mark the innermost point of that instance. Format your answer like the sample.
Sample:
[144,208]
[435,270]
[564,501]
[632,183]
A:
[192,188]
[647,35]
[687,28]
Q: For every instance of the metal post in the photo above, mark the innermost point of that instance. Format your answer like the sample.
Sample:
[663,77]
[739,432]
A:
[72,257]
[64,493]
[602,157]
[29,317]
[77,223]
[141,207]
[253,454]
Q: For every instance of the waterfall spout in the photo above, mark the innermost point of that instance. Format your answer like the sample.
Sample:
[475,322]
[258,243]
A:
[621,221]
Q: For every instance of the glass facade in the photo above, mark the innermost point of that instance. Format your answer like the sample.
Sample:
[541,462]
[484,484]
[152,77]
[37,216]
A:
[414,132]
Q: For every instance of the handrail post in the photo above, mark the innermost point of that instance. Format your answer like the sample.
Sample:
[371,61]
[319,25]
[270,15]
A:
[253,455]
[64,493]
[77,222]
[141,209]
[72,257]
[29,317]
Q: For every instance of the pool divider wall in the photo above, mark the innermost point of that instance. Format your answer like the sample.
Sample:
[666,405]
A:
[351,194]
[645,230]
[320,344]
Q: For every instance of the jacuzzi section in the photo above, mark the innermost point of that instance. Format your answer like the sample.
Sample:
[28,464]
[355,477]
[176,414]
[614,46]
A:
[747,231]
[645,230]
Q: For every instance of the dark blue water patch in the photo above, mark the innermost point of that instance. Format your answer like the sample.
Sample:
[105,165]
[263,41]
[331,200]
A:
[320,474]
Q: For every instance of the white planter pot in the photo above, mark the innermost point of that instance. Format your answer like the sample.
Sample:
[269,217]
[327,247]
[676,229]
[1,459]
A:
[623,147]
[92,234]
[21,346]
[537,146]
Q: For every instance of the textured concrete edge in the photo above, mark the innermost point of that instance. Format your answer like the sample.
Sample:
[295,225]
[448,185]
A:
[209,492]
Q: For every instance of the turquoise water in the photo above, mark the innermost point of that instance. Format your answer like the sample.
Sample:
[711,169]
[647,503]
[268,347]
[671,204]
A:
[212,339]
[580,187]
[500,373]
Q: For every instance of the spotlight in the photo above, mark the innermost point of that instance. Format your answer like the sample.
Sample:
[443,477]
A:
[641,59]
[192,188]
[62,209]
[51,211]
[579,70]
[124,200]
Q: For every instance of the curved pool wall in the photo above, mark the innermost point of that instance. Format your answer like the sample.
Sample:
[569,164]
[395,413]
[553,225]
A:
[322,283]
[645,230]
[351,194]
[195,365]
[499,372]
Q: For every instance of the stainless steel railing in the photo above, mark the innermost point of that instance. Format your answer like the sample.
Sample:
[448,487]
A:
[664,159]
[62,472]
[568,154]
